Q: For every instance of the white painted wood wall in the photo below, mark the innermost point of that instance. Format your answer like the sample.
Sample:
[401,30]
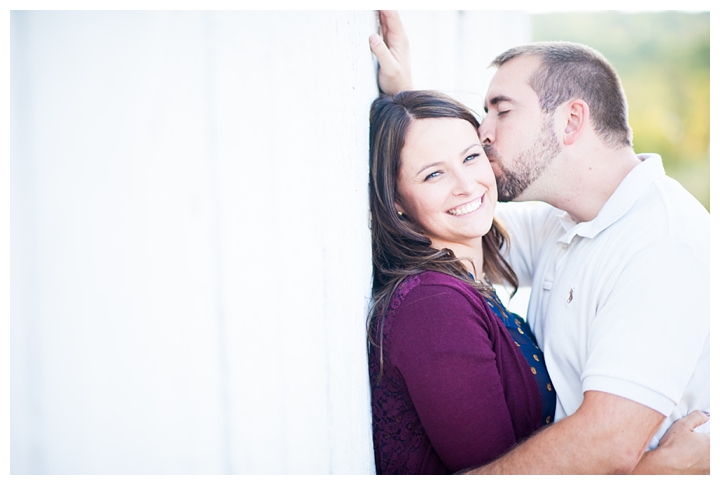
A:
[190,253]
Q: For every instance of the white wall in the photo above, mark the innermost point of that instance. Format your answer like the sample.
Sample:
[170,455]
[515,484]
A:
[451,50]
[190,253]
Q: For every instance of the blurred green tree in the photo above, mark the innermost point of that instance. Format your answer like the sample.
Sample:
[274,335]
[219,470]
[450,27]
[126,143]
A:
[663,59]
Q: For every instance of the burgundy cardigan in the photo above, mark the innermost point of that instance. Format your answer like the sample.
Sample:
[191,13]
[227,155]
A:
[455,391]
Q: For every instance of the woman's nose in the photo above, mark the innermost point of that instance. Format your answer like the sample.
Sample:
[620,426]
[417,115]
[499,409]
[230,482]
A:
[464,182]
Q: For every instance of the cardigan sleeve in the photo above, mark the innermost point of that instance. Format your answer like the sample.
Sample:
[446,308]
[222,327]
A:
[443,347]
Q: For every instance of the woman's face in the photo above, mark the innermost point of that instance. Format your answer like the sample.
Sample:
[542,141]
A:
[445,183]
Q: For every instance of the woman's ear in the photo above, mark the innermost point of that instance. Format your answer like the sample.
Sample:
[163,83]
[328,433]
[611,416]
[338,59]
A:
[399,208]
[577,119]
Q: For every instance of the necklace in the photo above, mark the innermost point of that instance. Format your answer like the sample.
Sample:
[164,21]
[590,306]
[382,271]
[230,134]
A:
[484,280]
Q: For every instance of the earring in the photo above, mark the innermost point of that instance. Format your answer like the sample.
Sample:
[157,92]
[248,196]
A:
[400,213]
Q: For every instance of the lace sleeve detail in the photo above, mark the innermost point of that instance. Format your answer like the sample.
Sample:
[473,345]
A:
[400,294]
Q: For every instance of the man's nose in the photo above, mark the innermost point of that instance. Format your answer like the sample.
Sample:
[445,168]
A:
[486,133]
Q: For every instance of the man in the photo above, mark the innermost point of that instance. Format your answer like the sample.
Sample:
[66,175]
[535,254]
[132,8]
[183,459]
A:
[609,263]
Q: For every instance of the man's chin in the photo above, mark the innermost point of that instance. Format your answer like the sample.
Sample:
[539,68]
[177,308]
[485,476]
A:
[511,192]
[506,196]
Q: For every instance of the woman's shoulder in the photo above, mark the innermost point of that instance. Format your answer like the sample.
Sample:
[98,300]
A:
[442,279]
[432,311]
[432,288]
[435,278]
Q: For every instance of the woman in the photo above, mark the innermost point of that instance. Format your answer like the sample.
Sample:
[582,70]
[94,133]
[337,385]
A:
[457,379]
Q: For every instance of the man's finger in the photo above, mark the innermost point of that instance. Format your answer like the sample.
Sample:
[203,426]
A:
[381,51]
[392,28]
[695,419]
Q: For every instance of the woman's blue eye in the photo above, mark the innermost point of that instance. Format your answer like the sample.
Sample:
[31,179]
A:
[432,175]
[471,157]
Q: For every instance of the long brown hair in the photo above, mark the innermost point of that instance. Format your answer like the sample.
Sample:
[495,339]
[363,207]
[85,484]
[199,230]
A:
[399,247]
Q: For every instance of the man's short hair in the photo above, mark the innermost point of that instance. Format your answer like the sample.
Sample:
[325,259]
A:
[569,70]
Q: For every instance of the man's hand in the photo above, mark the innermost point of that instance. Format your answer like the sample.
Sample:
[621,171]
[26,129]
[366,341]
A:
[393,54]
[681,451]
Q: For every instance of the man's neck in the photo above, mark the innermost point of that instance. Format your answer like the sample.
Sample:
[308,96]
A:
[583,185]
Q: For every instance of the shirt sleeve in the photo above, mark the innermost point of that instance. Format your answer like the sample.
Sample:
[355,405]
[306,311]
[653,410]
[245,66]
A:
[651,328]
[444,352]
[527,228]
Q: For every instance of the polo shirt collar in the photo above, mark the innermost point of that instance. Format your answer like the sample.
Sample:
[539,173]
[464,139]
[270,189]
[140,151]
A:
[619,203]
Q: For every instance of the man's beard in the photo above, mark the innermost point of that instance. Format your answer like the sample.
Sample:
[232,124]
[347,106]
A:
[526,167]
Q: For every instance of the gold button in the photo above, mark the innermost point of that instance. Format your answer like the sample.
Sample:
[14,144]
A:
[520,330]
[549,386]
[533,370]
[547,420]
[536,358]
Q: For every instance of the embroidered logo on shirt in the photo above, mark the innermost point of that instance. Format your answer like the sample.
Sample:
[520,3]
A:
[570,295]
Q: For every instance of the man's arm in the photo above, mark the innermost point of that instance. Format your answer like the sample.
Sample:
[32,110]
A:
[608,434]
[393,54]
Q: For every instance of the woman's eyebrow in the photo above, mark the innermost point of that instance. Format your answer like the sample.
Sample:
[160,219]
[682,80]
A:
[427,166]
[470,148]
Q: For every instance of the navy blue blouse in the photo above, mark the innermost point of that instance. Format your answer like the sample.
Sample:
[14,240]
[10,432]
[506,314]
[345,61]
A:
[522,335]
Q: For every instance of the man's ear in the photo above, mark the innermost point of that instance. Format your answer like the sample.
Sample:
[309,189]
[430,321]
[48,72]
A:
[577,120]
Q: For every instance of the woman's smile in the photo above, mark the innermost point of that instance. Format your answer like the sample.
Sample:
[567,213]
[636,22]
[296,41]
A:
[467,208]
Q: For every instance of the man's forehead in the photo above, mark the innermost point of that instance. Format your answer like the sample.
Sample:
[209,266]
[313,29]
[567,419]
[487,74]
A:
[512,80]
[516,71]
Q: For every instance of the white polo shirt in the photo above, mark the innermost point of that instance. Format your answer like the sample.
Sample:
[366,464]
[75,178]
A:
[621,304]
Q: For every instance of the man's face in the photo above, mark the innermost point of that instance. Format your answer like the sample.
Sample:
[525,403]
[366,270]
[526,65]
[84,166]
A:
[518,138]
